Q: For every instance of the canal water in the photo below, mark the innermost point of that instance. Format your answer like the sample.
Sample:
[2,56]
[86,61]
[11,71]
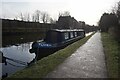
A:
[16,49]
[18,56]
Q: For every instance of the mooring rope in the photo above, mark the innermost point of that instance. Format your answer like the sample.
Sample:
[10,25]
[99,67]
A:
[14,65]
[17,61]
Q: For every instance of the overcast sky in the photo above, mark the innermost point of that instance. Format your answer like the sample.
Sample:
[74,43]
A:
[89,11]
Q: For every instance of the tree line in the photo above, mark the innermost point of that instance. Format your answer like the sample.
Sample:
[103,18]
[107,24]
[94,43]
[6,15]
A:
[110,22]
[39,16]
[65,21]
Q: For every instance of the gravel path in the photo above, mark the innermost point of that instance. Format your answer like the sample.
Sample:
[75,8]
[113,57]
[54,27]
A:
[88,61]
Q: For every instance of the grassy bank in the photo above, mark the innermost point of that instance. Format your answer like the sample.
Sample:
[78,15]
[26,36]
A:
[47,64]
[111,49]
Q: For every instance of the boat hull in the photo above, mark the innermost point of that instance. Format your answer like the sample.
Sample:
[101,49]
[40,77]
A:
[44,51]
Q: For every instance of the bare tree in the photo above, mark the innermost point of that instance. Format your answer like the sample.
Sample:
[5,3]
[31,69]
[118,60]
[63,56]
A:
[114,10]
[33,18]
[60,14]
[37,15]
[28,17]
[118,11]
[45,17]
[65,13]
[25,17]
[53,21]
[21,16]
[16,18]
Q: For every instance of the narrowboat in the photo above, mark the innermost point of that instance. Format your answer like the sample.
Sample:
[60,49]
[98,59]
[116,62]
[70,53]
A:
[56,39]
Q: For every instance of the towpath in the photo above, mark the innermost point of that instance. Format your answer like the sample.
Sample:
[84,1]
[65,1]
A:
[88,61]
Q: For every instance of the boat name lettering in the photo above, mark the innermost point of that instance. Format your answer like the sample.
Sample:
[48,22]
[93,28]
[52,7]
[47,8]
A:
[44,44]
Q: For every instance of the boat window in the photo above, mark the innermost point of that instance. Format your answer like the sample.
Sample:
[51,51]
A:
[82,34]
[66,35]
[75,34]
[71,34]
[78,33]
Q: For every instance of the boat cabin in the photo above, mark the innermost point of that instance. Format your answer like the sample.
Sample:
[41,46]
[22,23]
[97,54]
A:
[58,36]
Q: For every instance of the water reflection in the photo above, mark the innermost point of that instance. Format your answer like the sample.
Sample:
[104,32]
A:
[87,34]
[8,40]
[19,53]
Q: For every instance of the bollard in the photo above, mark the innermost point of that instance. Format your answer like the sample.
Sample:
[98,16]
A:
[3,58]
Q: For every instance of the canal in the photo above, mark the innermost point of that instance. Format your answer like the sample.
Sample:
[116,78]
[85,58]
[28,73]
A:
[16,49]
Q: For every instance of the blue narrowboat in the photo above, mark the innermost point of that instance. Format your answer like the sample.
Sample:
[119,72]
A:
[56,39]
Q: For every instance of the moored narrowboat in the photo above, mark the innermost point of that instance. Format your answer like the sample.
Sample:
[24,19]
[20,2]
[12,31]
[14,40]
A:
[56,39]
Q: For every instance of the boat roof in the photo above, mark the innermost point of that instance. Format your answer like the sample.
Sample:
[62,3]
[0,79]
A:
[66,30]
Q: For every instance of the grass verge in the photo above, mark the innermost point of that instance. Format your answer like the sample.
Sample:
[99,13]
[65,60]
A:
[111,50]
[47,64]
